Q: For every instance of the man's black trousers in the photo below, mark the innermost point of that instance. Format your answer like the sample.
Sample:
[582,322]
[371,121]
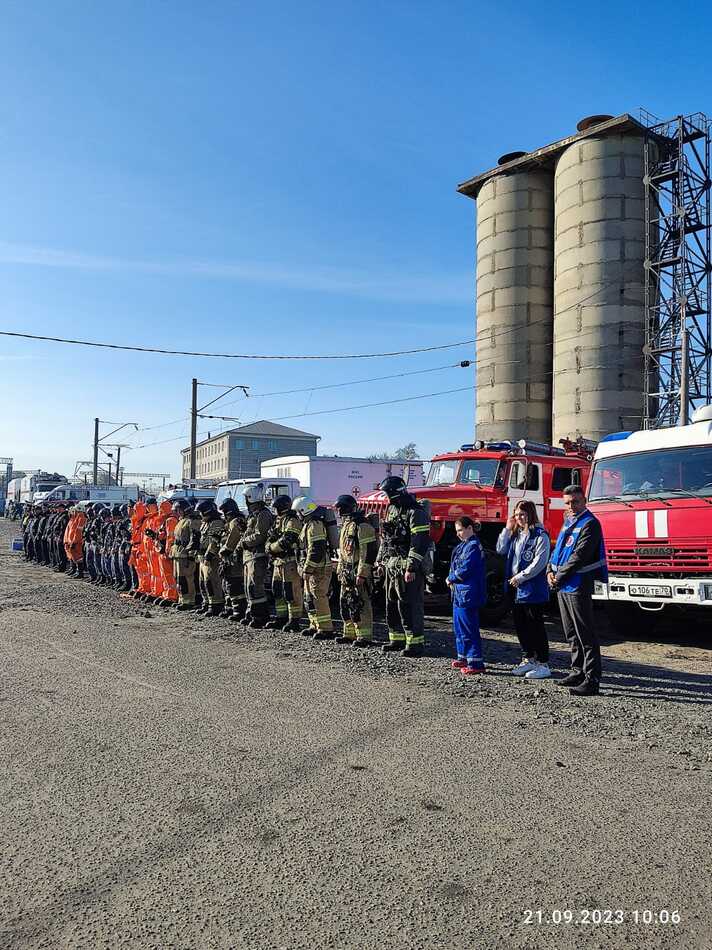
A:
[577,619]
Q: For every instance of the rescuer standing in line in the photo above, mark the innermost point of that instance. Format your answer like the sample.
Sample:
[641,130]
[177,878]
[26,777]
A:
[315,568]
[186,542]
[357,554]
[283,548]
[252,545]
[579,559]
[405,542]
[231,562]
[211,533]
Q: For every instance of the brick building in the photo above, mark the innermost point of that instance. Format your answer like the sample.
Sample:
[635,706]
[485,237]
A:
[238,453]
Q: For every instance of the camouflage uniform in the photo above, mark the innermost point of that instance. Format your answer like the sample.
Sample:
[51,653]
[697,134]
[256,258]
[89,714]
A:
[283,547]
[357,553]
[232,567]
[211,533]
[186,542]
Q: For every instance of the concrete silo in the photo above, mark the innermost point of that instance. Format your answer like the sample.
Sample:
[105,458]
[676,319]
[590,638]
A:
[599,286]
[560,297]
[515,233]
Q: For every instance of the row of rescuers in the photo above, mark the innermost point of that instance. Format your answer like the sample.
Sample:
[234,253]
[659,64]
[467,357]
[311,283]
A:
[297,539]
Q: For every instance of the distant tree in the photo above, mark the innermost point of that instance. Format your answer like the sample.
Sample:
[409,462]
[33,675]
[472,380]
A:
[403,454]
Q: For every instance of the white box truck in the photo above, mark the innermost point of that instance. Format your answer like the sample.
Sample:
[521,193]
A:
[325,477]
[108,494]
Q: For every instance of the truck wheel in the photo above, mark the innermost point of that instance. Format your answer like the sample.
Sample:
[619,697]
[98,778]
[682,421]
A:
[497,606]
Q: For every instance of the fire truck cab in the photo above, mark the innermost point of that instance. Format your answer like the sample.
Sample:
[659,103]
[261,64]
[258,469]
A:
[485,480]
[652,492]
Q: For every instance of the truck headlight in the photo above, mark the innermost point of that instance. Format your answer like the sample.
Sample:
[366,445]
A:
[599,588]
[707,591]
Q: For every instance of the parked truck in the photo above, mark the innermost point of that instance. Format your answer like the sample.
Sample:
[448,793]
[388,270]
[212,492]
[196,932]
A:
[485,480]
[37,484]
[652,492]
[109,494]
[325,477]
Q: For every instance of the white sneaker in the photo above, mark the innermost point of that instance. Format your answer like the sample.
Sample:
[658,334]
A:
[541,671]
[524,668]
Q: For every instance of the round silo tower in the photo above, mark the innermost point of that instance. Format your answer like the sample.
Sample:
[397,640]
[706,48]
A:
[599,284]
[515,236]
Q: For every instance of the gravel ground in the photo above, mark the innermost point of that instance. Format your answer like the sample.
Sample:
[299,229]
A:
[167,781]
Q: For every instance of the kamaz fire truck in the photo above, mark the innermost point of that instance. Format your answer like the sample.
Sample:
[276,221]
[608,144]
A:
[485,480]
[652,492]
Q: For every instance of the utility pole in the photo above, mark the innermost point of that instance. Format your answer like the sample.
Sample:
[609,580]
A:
[96,450]
[118,464]
[193,428]
[195,413]
[98,445]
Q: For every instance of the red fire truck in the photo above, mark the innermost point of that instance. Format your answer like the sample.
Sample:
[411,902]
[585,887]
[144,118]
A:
[485,480]
[652,492]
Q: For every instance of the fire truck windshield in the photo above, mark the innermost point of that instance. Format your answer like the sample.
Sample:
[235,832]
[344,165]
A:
[443,473]
[663,472]
[482,472]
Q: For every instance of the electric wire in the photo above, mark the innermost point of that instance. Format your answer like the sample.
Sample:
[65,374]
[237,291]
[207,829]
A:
[320,412]
[234,356]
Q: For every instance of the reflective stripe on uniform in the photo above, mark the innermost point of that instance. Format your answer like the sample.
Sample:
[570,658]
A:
[420,528]
[395,636]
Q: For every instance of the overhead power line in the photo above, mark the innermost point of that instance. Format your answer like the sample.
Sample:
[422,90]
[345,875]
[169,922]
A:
[234,356]
[321,412]
[371,405]
[307,389]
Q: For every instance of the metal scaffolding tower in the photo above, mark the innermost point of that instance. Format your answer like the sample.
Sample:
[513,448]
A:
[678,354]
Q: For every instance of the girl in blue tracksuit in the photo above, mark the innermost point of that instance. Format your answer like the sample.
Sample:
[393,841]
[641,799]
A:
[467,583]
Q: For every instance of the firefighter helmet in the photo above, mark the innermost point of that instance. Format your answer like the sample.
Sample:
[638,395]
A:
[229,507]
[206,506]
[281,504]
[393,486]
[304,507]
[345,504]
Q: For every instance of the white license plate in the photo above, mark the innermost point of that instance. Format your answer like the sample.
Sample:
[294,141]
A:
[647,590]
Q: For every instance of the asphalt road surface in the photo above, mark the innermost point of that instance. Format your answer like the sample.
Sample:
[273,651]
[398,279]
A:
[172,782]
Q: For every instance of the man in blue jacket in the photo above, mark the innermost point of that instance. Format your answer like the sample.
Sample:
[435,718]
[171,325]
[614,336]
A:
[578,559]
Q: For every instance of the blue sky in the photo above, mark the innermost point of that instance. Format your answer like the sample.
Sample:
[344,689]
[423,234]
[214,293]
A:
[277,179]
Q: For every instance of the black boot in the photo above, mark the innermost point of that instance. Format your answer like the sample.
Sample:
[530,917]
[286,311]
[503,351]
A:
[343,639]
[324,635]
[293,626]
[259,615]
[392,646]
[276,623]
[587,688]
[413,651]
[575,678]
[185,607]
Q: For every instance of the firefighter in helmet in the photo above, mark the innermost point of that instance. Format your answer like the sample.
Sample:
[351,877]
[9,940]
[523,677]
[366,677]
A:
[252,545]
[211,534]
[231,563]
[186,543]
[315,567]
[357,553]
[283,548]
[405,540]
